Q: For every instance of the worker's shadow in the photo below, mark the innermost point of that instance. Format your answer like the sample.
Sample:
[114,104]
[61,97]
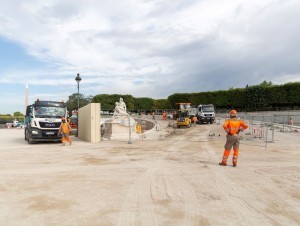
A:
[205,162]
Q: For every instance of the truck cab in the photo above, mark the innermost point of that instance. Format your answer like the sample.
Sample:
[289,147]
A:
[206,113]
[42,121]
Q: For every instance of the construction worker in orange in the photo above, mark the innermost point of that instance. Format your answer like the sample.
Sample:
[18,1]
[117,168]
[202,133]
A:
[195,120]
[65,130]
[164,115]
[233,127]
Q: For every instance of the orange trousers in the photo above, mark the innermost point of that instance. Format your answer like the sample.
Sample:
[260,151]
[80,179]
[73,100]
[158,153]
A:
[66,137]
[234,158]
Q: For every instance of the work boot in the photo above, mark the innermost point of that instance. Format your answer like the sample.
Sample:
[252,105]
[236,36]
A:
[223,164]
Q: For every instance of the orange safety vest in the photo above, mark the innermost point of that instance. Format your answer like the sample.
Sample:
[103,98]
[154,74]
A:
[234,125]
[65,128]
[195,119]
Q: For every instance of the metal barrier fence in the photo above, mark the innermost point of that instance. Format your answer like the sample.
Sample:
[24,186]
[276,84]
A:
[262,126]
[282,118]
[287,122]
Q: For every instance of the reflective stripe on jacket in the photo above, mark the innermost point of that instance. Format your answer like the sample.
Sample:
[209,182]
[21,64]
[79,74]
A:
[234,125]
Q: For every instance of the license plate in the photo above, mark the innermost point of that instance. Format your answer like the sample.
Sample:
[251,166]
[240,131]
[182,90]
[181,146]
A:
[49,133]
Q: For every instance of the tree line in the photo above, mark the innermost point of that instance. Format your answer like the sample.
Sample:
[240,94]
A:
[264,96]
[108,102]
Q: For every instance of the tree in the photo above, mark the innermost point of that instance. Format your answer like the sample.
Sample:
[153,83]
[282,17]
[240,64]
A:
[144,103]
[266,84]
[72,103]
[108,101]
[161,104]
[17,113]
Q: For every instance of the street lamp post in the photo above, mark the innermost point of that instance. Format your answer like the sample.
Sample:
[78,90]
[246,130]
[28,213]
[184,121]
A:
[77,79]
[130,139]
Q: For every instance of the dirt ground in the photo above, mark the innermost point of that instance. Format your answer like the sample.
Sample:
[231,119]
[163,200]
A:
[172,180]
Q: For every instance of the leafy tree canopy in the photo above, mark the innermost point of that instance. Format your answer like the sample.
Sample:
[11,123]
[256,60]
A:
[72,103]
[266,84]
[17,113]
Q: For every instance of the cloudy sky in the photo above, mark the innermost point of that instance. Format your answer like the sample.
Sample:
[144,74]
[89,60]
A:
[150,48]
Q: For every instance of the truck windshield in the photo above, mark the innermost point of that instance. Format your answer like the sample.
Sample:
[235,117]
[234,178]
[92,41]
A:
[51,112]
[207,109]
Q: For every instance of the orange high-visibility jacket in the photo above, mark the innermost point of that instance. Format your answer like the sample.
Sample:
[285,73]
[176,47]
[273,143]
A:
[234,125]
[65,127]
[195,119]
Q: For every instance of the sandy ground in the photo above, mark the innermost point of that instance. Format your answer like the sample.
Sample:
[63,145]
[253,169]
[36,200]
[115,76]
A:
[169,180]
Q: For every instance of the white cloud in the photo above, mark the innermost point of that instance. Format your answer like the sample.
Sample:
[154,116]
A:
[149,47]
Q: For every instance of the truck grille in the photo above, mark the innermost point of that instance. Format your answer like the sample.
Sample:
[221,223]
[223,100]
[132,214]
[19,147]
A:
[208,115]
[50,124]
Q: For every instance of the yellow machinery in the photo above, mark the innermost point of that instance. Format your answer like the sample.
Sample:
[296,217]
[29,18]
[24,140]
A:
[183,119]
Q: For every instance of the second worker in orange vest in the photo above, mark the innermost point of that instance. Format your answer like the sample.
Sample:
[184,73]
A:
[195,120]
[65,130]
[232,126]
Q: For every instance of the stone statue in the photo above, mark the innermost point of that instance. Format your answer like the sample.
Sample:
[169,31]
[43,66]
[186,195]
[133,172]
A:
[120,108]
[122,104]
[121,125]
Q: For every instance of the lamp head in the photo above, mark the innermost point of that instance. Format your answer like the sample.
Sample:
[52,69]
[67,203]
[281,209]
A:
[78,78]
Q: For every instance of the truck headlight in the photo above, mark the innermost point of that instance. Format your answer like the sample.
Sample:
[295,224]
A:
[34,132]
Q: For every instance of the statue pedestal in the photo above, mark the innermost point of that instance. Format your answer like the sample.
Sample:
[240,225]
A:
[119,129]
[120,132]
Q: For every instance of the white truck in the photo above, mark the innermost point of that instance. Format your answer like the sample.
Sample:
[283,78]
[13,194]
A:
[15,123]
[205,113]
[42,121]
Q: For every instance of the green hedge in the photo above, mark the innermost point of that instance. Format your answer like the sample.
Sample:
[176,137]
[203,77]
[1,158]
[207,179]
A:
[259,97]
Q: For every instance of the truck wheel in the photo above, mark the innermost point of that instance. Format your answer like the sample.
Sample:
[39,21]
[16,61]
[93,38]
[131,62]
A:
[29,140]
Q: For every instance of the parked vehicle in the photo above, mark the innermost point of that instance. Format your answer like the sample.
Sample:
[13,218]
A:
[183,119]
[206,113]
[43,119]
[73,122]
[11,124]
[20,125]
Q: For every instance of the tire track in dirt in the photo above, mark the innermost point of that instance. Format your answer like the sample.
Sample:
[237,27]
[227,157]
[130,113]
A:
[260,202]
[249,212]
[191,203]
[138,200]
[257,202]
[140,194]
[175,198]
[179,187]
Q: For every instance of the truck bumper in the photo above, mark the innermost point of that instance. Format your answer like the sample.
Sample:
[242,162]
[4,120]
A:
[206,119]
[44,135]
